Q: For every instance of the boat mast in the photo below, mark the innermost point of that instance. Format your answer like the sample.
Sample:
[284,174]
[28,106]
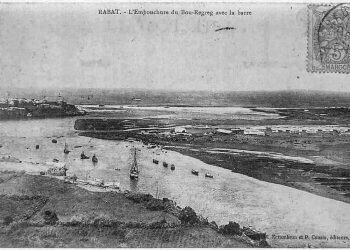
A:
[135,162]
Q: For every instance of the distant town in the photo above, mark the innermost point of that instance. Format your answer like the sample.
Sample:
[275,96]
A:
[260,130]
[19,108]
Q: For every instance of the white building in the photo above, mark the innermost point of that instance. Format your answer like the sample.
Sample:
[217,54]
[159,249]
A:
[180,130]
[224,131]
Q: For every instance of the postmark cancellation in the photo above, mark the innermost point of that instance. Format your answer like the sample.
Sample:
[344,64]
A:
[328,38]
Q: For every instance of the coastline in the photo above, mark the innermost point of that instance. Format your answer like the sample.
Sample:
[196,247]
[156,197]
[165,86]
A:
[77,210]
[62,130]
[302,185]
[225,160]
[19,109]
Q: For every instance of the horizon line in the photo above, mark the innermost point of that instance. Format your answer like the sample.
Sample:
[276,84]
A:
[166,90]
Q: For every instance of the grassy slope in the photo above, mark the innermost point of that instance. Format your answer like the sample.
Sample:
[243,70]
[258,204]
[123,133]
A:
[25,198]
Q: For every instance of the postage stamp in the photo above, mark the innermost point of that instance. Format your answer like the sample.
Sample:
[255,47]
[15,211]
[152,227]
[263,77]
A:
[329,38]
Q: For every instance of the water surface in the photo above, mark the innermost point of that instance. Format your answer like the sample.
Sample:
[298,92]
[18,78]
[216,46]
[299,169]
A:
[229,196]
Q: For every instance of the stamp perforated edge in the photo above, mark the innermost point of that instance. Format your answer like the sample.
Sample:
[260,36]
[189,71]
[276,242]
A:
[308,56]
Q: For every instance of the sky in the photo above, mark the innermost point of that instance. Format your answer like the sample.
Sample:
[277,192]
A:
[70,45]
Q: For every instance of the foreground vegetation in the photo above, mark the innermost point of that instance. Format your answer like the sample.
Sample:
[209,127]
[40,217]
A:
[39,211]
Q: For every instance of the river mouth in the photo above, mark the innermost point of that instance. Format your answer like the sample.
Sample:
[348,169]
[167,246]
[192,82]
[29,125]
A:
[228,196]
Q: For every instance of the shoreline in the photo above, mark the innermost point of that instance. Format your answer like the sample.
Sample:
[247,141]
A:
[170,216]
[291,170]
[267,178]
[98,146]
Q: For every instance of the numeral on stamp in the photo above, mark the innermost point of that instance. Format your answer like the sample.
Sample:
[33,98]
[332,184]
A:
[329,38]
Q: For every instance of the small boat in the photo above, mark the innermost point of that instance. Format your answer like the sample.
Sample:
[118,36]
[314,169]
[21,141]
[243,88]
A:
[83,156]
[94,159]
[117,169]
[172,167]
[165,164]
[66,151]
[194,172]
[208,175]
[155,161]
[134,171]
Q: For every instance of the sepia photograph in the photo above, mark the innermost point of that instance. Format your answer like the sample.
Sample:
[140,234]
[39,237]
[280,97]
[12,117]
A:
[174,125]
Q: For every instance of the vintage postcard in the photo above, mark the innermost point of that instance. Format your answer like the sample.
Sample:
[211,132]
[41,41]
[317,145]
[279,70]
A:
[157,125]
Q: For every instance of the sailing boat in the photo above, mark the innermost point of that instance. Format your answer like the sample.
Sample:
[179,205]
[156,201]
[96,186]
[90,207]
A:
[83,156]
[134,171]
[66,151]
[94,159]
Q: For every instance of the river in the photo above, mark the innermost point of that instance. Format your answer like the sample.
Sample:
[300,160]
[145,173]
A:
[271,208]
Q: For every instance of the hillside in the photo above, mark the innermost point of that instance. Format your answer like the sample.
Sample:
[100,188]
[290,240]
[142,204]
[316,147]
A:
[39,211]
